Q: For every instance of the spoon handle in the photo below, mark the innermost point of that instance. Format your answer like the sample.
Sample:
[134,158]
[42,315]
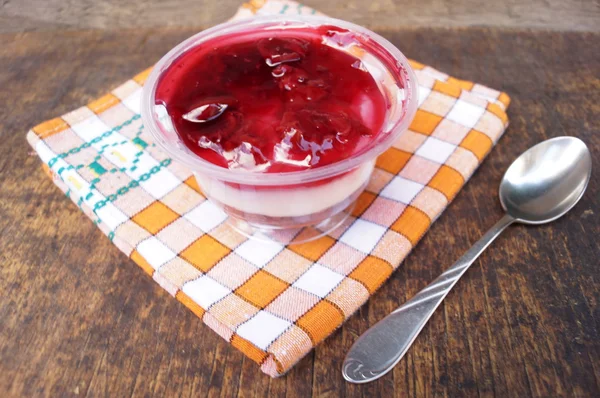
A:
[381,347]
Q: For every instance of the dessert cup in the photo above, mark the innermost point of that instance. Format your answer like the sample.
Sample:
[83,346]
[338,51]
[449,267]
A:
[280,204]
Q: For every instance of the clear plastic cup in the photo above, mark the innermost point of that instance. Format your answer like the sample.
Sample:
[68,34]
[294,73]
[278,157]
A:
[280,202]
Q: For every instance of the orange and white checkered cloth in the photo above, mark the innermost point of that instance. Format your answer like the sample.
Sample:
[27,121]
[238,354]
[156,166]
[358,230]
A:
[272,301]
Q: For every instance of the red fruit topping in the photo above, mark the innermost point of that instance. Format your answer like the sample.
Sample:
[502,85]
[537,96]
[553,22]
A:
[205,113]
[282,102]
[278,50]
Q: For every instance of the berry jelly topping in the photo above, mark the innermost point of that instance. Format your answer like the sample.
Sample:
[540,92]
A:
[273,101]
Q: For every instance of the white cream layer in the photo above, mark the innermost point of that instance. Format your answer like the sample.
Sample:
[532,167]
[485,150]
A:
[296,202]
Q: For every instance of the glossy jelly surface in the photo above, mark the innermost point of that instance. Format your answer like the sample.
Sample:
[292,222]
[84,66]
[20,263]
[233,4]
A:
[276,101]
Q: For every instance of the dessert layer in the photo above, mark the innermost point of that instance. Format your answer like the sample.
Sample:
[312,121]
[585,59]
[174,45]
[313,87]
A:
[287,202]
[273,101]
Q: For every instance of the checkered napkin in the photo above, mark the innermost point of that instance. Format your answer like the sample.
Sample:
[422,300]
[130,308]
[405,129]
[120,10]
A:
[272,301]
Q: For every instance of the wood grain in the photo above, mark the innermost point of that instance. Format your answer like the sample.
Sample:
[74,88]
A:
[77,318]
[27,15]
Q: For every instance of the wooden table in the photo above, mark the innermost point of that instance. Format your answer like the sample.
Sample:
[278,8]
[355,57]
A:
[47,15]
[77,318]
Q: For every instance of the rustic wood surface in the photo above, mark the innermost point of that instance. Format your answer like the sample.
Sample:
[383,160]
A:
[27,15]
[77,318]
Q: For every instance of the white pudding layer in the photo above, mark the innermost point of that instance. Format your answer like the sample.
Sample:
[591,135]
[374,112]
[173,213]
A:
[287,202]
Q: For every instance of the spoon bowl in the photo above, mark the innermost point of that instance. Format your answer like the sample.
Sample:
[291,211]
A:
[546,181]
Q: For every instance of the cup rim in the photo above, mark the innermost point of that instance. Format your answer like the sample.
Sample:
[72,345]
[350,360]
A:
[198,164]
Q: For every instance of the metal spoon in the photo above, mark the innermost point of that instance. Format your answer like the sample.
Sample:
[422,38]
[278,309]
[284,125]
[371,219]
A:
[540,186]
